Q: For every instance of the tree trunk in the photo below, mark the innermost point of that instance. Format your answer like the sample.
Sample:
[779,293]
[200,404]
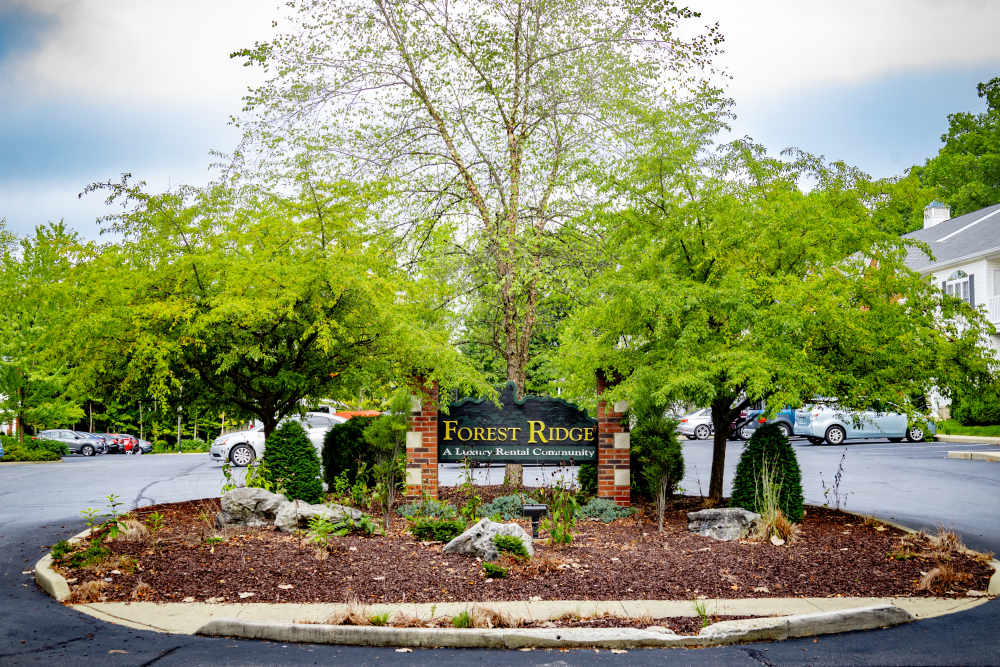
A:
[721,411]
[513,473]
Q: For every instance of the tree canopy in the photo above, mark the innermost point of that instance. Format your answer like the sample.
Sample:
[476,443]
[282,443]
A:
[730,284]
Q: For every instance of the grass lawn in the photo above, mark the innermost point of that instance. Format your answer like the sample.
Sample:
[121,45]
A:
[952,427]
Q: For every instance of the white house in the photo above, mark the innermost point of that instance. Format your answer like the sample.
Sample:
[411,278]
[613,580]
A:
[966,260]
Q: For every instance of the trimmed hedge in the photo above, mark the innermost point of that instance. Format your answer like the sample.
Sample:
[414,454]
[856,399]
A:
[654,445]
[291,464]
[32,450]
[768,444]
[345,449]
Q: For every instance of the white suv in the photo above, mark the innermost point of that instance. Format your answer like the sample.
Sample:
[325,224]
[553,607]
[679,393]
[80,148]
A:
[241,448]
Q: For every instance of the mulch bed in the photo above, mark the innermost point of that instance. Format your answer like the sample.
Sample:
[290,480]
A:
[836,554]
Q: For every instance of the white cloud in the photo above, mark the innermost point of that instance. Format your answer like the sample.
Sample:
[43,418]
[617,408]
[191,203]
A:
[778,46]
[117,50]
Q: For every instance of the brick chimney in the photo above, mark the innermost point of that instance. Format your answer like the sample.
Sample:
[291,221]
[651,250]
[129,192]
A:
[935,213]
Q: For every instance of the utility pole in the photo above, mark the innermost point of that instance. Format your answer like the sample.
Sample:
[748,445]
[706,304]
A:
[179,411]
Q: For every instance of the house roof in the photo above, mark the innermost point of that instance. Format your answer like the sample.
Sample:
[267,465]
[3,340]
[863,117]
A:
[966,237]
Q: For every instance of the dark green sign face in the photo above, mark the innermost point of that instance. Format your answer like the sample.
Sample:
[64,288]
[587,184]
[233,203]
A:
[535,429]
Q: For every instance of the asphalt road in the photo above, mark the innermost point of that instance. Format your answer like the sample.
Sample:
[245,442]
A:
[40,504]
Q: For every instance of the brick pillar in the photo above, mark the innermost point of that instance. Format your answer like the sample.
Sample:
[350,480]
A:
[421,442]
[613,448]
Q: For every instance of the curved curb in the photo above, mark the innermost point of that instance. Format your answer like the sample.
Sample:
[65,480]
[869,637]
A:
[51,581]
[718,634]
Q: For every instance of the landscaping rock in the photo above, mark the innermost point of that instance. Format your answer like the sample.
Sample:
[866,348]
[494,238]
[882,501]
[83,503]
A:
[249,507]
[725,524]
[296,514]
[478,540]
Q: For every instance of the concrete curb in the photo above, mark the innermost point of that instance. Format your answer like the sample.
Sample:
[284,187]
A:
[51,581]
[974,456]
[718,634]
[975,439]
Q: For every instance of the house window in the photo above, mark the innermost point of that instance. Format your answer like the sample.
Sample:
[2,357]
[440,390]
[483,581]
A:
[961,286]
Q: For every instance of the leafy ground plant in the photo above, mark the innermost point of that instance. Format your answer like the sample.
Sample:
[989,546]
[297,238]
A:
[428,507]
[604,510]
[561,522]
[511,544]
[436,530]
[494,571]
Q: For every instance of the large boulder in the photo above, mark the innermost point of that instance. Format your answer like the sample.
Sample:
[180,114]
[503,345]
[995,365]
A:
[296,514]
[725,523]
[478,540]
[249,507]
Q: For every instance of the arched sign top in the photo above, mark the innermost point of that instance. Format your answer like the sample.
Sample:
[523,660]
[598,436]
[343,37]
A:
[534,429]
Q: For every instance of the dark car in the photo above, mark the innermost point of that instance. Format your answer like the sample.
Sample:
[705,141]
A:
[78,442]
[119,443]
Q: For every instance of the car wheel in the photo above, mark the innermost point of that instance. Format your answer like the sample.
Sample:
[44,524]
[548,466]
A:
[835,435]
[915,434]
[895,440]
[242,455]
[746,433]
[701,432]
[785,431]
[87,450]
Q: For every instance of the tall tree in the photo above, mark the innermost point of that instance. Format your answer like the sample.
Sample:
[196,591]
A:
[731,284]
[37,290]
[226,297]
[483,115]
[966,171]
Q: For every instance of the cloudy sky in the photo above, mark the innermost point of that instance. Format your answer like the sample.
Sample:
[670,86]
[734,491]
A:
[93,88]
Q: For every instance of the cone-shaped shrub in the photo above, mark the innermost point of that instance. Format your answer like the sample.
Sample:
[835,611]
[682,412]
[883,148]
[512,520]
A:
[770,446]
[292,465]
[345,449]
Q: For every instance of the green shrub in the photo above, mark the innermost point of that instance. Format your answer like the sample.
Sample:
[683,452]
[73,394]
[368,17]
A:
[586,479]
[194,445]
[428,507]
[436,530]
[462,620]
[510,544]
[32,450]
[345,450]
[770,446]
[604,509]
[977,406]
[162,447]
[291,463]
[655,455]
[508,507]
[494,571]
[561,521]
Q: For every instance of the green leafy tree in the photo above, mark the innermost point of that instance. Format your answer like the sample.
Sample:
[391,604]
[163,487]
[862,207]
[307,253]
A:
[224,296]
[291,464]
[769,448]
[484,116]
[38,289]
[966,171]
[731,284]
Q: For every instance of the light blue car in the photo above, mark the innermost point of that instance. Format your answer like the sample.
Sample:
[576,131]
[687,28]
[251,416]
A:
[827,422]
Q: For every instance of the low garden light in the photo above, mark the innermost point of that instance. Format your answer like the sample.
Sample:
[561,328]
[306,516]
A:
[534,512]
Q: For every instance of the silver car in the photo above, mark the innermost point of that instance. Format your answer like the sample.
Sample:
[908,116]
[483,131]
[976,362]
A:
[696,425]
[827,422]
[77,441]
[241,448]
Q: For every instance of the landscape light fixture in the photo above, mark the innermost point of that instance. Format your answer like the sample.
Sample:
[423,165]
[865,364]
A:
[534,512]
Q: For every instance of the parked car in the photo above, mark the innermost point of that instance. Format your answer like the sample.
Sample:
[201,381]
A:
[78,442]
[119,443]
[145,446]
[825,421]
[241,448]
[696,425]
[784,420]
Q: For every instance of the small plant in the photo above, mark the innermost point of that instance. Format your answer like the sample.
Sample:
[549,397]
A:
[436,530]
[561,522]
[586,479]
[214,539]
[227,473]
[902,552]
[832,493]
[605,510]
[90,514]
[494,571]
[510,544]
[342,487]
[508,507]
[428,507]
[470,510]
[379,619]
[462,620]
[699,608]
[155,522]
[773,522]
[320,529]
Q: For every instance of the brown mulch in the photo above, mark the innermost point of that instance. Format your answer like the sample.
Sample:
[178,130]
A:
[836,554]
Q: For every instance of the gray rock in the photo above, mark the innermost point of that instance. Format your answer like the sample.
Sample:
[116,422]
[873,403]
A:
[249,507]
[478,540]
[296,514]
[725,523]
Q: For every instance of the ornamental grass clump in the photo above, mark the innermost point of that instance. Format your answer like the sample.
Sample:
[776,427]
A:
[769,450]
[291,463]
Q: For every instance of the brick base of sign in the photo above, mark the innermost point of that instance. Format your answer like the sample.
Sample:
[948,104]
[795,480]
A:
[422,445]
[613,450]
